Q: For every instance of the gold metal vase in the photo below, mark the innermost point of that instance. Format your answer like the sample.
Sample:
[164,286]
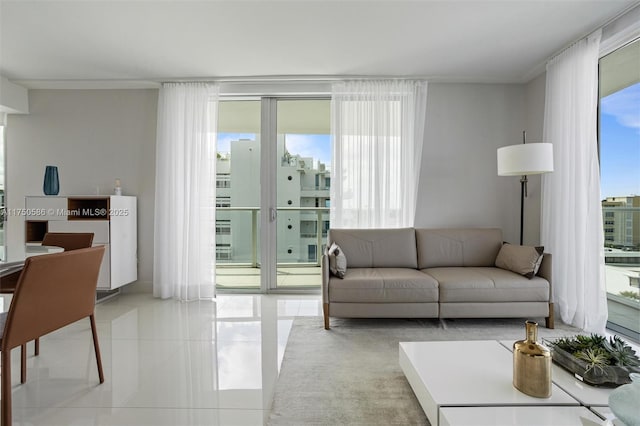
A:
[532,364]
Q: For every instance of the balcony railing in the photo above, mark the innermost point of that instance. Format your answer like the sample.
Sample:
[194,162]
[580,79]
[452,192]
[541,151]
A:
[622,268]
[318,213]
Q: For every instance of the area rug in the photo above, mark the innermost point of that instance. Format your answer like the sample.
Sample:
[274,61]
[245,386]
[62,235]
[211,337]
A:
[350,375]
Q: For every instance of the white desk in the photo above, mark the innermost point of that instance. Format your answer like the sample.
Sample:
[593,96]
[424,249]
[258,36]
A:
[468,374]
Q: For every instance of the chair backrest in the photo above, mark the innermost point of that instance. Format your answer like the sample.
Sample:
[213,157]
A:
[53,290]
[68,240]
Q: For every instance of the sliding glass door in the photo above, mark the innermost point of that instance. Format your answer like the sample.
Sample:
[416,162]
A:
[238,195]
[303,181]
[620,185]
[272,194]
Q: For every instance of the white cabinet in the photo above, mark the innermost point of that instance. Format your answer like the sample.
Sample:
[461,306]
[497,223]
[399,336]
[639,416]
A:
[112,219]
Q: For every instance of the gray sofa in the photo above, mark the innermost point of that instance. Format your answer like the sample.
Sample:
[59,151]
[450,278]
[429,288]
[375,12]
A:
[430,273]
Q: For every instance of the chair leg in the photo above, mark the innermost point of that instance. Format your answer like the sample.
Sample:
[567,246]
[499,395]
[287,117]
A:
[36,347]
[96,346]
[23,363]
[5,392]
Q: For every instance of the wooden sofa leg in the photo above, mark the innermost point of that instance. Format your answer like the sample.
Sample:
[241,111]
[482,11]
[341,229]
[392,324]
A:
[325,309]
[549,321]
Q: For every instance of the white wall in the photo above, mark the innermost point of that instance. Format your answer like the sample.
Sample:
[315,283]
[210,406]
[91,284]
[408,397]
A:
[13,98]
[93,136]
[459,185]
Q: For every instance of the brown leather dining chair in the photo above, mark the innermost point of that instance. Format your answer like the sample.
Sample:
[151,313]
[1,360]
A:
[68,241]
[54,290]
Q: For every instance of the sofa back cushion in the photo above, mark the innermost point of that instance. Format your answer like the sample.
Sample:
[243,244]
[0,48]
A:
[377,248]
[458,247]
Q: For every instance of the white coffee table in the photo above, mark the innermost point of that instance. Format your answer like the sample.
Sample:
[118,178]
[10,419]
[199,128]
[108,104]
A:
[473,375]
[516,416]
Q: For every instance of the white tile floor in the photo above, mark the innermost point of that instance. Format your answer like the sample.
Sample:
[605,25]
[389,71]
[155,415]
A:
[165,363]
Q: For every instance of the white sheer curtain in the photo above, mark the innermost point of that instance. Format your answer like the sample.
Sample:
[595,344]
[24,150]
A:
[184,246]
[377,135]
[571,211]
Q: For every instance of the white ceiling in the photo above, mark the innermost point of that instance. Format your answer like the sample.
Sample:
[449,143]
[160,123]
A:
[42,42]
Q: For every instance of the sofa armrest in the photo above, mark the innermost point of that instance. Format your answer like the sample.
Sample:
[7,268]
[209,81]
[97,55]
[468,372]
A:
[545,272]
[324,265]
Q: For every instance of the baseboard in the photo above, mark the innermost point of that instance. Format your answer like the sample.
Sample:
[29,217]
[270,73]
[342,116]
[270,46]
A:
[138,287]
[104,295]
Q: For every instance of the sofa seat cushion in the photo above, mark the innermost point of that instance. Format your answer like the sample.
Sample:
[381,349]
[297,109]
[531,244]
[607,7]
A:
[383,285]
[487,284]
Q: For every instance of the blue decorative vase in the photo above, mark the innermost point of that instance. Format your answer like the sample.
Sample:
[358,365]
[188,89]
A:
[51,182]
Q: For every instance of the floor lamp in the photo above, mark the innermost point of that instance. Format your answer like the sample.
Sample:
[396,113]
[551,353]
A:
[522,160]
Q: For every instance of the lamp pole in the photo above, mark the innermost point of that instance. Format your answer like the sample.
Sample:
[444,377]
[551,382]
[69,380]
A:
[522,160]
[523,193]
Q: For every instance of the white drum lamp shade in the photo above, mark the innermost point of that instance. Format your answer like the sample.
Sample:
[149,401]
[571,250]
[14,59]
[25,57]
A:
[522,160]
[525,159]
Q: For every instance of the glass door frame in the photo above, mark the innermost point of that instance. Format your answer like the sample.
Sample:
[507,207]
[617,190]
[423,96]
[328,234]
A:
[268,192]
[612,325]
[268,195]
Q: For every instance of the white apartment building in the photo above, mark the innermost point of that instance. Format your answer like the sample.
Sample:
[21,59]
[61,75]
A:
[302,198]
[621,221]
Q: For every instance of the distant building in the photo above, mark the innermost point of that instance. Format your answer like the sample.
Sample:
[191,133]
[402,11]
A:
[302,182]
[621,222]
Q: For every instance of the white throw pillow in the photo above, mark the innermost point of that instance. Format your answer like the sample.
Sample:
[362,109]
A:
[337,261]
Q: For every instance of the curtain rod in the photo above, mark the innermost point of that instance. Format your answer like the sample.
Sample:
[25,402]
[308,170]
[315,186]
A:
[621,14]
[291,79]
[601,27]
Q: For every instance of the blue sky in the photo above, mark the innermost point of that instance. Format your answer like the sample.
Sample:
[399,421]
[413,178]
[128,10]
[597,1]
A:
[620,143]
[224,140]
[316,146]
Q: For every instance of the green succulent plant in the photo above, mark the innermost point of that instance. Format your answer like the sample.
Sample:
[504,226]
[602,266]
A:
[622,354]
[597,350]
[596,358]
[580,343]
